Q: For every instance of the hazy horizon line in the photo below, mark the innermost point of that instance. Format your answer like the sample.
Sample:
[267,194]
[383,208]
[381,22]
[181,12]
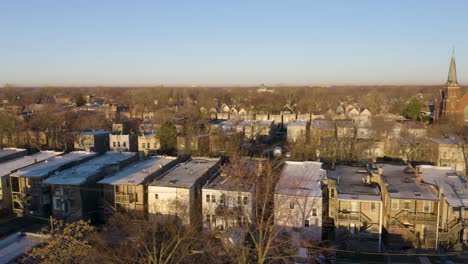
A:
[279,85]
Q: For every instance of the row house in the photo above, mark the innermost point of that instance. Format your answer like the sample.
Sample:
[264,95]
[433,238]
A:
[298,200]
[75,193]
[298,131]
[123,142]
[446,152]
[149,143]
[453,201]
[257,130]
[195,144]
[322,128]
[411,208]
[345,129]
[177,193]
[413,128]
[228,200]
[94,141]
[30,195]
[8,167]
[224,142]
[127,190]
[355,205]
[26,138]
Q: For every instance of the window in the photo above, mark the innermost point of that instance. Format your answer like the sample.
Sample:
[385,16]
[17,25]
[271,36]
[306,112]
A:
[354,206]
[246,200]
[306,223]
[207,198]
[395,204]
[143,145]
[124,144]
[444,154]
[239,200]
[407,205]
[113,144]
[118,144]
[156,196]
[213,198]
[291,204]
[427,206]
[208,218]
[332,193]
[314,212]
[372,207]
[221,199]
[155,145]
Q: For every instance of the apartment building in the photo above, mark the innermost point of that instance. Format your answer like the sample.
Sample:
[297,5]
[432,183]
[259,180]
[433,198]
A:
[30,195]
[8,167]
[193,144]
[123,142]
[228,200]
[345,129]
[127,190]
[355,205]
[95,141]
[298,131]
[149,143]
[298,199]
[75,193]
[445,152]
[176,194]
[453,200]
[410,210]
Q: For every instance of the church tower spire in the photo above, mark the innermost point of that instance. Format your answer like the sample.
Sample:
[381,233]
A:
[452,74]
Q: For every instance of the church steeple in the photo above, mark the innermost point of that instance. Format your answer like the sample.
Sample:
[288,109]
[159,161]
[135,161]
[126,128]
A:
[452,74]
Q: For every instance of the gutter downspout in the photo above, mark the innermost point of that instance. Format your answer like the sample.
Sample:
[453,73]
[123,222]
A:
[380,225]
[438,219]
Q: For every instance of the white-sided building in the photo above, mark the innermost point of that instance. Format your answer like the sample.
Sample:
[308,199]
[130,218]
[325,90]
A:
[176,194]
[298,199]
[229,199]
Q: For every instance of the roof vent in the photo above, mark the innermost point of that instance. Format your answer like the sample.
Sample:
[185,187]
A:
[417,194]
[392,190]
[173,181]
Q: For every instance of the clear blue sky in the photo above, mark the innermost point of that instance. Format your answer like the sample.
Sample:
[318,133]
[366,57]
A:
[197,42]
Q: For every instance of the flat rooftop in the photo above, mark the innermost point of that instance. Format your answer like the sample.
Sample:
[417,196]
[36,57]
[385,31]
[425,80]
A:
[13,246]
[301,179]
[7,152]
[136,173]
[448,141]
[350,183]
[19,163]
[98,132]
[403,184]
[184,175]
[323,124]
[50,165]
[240,179]
[298,123]
[79,174]
[453,185]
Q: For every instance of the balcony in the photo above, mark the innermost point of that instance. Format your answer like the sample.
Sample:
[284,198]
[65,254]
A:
[125,198]
[349,216]
[405,216]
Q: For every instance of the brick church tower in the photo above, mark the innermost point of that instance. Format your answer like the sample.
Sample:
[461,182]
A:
[446,103]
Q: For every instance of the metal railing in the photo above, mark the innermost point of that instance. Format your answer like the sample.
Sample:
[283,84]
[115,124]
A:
[125,198]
